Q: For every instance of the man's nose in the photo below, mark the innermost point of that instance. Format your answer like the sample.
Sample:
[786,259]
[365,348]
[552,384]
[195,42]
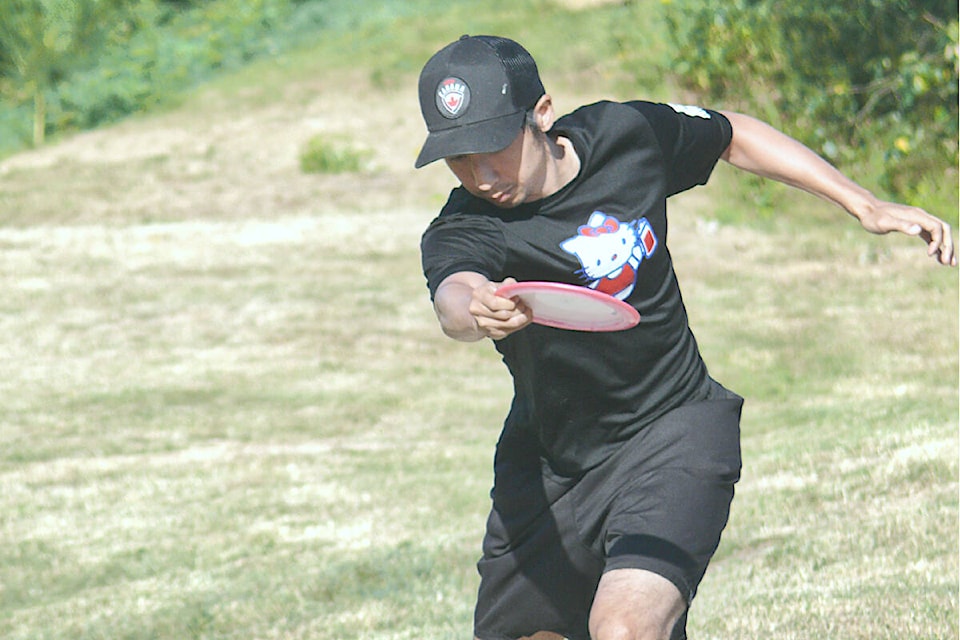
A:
[484,175]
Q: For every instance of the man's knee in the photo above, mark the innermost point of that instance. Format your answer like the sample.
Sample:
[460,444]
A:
[636,628]
[635,605]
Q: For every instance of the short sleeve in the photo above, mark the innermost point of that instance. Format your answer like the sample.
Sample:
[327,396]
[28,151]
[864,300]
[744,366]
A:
[691,138]
[461,242]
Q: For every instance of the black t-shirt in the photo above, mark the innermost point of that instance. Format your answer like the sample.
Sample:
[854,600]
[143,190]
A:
[578,395]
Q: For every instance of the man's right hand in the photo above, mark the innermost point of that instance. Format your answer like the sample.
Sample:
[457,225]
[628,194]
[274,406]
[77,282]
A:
[469,308]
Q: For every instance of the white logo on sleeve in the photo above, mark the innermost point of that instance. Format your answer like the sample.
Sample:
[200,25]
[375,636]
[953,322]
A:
[688,110]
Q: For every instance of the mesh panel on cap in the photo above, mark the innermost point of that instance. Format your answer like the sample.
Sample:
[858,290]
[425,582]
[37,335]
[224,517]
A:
[519,65]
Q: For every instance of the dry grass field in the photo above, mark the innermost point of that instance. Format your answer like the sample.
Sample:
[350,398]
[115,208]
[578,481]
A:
[228,412]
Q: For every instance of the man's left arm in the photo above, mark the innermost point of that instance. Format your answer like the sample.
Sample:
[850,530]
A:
[760,149]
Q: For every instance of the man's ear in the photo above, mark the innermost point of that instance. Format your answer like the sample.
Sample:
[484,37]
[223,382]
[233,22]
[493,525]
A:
[544,113]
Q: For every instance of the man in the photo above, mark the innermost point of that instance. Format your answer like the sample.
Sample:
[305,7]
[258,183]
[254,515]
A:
[615,469]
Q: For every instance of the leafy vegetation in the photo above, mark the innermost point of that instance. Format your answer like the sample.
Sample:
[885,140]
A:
[68,65]
[148,52]
[41,43]
[862,81]
[322,155]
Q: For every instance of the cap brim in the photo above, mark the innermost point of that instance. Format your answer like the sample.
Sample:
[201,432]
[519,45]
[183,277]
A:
[481,137]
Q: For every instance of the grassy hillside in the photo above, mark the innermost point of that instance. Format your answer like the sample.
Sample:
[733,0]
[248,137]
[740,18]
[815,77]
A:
[229,412]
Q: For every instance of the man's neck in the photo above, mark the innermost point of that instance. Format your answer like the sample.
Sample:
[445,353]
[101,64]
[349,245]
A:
[564,164]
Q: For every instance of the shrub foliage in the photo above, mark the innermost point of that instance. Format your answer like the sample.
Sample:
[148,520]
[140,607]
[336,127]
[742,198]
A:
[144,52]
[854,79]
[321,155]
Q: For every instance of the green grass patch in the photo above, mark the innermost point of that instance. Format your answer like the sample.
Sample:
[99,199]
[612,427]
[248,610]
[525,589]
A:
[321,155]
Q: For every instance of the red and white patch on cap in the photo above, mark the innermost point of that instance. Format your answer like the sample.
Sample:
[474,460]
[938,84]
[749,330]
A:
[453,97]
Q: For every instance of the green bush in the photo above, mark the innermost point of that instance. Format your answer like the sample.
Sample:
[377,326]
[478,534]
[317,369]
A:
[150,54]
[860,81]
[322,155]
[168,52]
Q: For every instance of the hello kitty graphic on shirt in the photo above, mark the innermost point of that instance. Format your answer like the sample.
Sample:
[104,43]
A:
[610,252]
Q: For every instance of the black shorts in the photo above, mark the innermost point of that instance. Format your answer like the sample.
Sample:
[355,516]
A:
[659,503]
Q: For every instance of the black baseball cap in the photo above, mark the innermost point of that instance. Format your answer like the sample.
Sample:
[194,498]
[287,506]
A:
[474,95]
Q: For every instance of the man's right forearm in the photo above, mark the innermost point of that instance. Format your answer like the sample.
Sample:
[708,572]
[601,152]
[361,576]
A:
[452,306]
